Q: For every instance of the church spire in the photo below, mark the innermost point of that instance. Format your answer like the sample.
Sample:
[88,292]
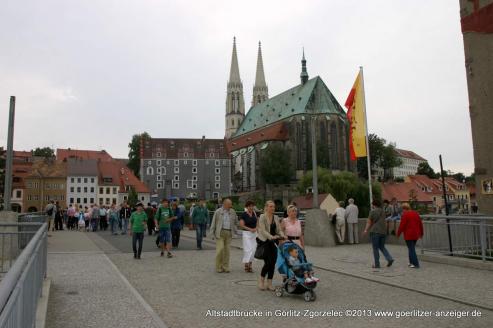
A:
[260,90]
[234,72]
[235,104]
[304,73]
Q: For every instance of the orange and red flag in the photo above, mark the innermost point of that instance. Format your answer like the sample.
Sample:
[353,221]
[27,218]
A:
[356,116]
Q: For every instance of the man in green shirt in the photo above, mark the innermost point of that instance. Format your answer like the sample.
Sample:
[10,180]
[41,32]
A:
[138,223]
[200,216]
[162,219]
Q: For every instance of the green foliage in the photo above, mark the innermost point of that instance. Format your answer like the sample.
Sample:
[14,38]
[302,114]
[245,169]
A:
[133,197]
[44,152]
[134,153]
[425,169]
[275,165]
[382,154]
[342,186]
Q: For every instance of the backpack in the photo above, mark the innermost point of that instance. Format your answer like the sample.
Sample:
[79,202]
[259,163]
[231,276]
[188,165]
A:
[50,211]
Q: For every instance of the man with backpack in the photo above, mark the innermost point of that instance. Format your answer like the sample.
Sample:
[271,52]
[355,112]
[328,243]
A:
[50,211]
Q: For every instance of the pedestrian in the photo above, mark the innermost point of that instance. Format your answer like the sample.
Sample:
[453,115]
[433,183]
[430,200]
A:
[351,215]
[340,214]
[269,233]
[58,217]
[103,223]
[412,227]
[50,211]
[291,227]
[376,226]
[223,227]
[94,217]
[114,218]
[125,213]
[87,218]
[72,222]
[176,225]
[393,212]
[151,212]
[138,222]
[162,219]
[248,223]
[200,216]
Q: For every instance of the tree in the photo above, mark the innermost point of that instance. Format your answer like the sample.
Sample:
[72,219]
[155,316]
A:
[133,197]
[44,152]
[134,153]
[275,166]
[459,176]
[382,154]
[425,169]
[342,186]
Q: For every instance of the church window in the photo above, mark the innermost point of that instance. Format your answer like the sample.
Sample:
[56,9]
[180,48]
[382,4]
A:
[150,171]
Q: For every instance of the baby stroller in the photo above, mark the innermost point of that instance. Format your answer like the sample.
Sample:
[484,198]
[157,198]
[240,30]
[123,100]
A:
[293,284]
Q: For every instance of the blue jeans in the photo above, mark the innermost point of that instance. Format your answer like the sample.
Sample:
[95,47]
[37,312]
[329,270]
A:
[137,237]
[94,224]
[200,232]
[378,244]
[411,247]
[114,225]
[164,236]
[124,225]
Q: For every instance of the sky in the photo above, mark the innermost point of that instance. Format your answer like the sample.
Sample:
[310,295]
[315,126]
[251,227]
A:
[89,74]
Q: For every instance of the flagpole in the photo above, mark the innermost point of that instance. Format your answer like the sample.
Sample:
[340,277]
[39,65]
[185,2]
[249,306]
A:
[366,133]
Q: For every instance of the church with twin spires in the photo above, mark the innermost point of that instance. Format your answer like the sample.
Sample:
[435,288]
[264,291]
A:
[284,119]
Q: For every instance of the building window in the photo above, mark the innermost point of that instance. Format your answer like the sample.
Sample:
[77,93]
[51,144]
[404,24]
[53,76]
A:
[217,162]
[85,201]
[150,170]
[78,200]
[225,162]
[79,180]
[176,178]
[101,200]
[72,180]
[194,178]
[159,185]
[185,154]
[185,162]
[125,198]
[215,195]
[29,197]
[189,184]
[114,200]
[158,154]
[115,191]
[194,162]
[211,155]
[176,170]
[85,180]
[167,162]
[108,190]
[142,198]
[72,189]
[176,162]
[92,180]
[71,200]
[218,170]
[78,189]
[149,162]
[158,178]
[101,190]
[159,163]
[218,178]
[107,201]
[176,185]
[218,185]
[194,170]
[92,189]
[62,197]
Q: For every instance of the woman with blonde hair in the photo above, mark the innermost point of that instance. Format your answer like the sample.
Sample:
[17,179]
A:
[269,234]
[291,226]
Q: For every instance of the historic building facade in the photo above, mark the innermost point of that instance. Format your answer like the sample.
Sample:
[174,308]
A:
[286,119]
[185,168]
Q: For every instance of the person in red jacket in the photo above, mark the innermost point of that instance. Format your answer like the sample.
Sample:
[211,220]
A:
[412,227]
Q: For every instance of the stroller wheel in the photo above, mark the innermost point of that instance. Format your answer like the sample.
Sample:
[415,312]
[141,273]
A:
[308,296]
[314,296]
[279,291]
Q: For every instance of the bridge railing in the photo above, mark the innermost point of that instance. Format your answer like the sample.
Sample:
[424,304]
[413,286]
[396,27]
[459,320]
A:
[463,236]
[21,286]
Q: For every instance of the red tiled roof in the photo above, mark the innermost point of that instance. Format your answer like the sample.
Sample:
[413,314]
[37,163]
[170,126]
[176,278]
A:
[409,154]
[177,148]
[402,192]
[63,154]
[19,172]
[277,131]
[424,181]
[120,175]
[306,201]
[49,168]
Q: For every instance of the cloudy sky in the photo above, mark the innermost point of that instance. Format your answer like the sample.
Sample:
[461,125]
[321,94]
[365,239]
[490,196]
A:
[91,73]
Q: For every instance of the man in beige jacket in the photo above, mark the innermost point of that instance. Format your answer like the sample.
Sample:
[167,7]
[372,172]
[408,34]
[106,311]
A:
[223,227]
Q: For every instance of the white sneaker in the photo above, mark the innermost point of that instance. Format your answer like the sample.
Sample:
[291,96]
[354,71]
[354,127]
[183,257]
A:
[308,280]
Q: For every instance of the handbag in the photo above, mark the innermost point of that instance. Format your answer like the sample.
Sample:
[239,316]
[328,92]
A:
[260,251]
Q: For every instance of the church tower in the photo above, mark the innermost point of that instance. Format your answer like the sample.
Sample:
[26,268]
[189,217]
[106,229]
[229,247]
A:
[235,104]
[260,90]
[304,73]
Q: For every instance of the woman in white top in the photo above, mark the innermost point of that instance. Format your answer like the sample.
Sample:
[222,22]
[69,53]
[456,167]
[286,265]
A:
[340,214]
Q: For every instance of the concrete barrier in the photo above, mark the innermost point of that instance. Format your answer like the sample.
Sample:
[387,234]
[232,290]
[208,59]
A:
[319,231]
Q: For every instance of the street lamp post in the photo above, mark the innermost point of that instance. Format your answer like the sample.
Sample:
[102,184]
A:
[10,154]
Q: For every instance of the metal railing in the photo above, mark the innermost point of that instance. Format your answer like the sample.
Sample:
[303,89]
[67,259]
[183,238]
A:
[464,236]
[20,288]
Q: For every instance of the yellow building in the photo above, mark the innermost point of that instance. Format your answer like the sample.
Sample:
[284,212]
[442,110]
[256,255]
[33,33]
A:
[461,194]
[46,182]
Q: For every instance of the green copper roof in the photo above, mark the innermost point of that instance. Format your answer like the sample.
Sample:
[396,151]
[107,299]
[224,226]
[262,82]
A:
[313,97]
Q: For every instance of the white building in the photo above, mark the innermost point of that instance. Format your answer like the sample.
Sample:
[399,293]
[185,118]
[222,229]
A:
[410,162]
[82,181]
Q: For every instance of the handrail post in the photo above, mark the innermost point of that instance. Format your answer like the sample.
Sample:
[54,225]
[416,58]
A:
[482,238]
